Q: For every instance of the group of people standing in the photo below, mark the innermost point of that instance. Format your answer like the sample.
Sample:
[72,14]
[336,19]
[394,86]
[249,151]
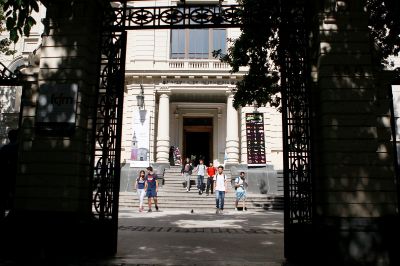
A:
[215,179]
[146,185]
[202,171]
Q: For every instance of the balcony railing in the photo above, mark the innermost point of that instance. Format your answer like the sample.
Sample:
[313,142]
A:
[171,65]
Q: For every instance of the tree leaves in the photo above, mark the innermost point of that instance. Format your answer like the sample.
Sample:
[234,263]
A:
[384,21]
[4,43]
[256,48]
[258,44]
[19,20]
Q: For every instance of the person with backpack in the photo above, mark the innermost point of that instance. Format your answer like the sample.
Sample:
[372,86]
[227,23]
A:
[240,187]
[186,173]
[221,187]
[211,170]
[151,187]
[201,172]
[139,186]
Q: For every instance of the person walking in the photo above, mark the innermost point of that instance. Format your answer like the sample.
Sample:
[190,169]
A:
[151,187]
[221,187]
[210,179]
[240,187]
[186,173]
[201,172]
[139,186]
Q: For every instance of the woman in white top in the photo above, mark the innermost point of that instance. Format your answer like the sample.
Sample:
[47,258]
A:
[139,186]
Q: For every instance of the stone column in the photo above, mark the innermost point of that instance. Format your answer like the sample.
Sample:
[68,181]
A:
[54,169]
[163,130]
[232,132]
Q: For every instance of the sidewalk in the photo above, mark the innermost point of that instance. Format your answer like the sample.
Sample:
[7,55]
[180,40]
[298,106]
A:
[204,238]
[185,238]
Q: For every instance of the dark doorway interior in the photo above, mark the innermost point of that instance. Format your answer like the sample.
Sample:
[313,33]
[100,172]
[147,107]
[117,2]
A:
[198,139]
[197,144]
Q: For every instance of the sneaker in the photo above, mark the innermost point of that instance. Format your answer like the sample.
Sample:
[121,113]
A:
[207,194]
[199,192]
[221,211]
[156,208]
[245,208]
[217,212]
[140,210]
[236,209]
[149,210]
[187,190]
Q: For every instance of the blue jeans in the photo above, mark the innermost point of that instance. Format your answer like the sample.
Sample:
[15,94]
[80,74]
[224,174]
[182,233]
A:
[200,181]
[219,198]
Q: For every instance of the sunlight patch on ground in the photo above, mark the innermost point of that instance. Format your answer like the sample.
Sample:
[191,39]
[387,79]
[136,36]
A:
[194,250]
[267,243]
[234,224]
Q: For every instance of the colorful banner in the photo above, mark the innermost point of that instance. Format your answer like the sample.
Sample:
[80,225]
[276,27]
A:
[140,147]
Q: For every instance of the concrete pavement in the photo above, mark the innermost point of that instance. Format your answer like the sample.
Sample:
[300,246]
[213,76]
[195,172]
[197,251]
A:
[180,237]
[200,238]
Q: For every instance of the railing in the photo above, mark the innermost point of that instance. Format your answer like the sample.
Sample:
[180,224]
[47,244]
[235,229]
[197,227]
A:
[148,65]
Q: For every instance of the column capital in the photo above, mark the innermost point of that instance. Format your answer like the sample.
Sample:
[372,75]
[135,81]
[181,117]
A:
[230,92]
[163,89]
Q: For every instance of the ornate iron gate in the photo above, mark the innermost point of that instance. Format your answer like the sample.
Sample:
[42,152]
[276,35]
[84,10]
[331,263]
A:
[295,98]
[7,77]
[295,78]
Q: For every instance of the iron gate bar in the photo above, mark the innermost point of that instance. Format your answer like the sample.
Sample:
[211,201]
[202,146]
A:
[176,17]
[7,77]
[295,74]
[295,80]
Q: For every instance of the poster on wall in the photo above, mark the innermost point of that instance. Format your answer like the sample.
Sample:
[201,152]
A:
[255,139]
[140,145]
[56,109]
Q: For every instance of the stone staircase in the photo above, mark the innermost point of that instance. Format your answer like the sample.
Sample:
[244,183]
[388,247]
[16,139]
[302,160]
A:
[172,195]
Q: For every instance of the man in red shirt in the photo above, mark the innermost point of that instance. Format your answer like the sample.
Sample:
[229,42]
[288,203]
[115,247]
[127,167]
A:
[211,170]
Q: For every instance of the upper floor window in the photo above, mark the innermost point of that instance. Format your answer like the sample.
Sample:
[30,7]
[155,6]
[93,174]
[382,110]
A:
[197,43]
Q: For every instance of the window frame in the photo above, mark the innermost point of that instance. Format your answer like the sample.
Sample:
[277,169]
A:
[187,45]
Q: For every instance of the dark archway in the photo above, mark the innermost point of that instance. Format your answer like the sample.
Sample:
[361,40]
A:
[118,18]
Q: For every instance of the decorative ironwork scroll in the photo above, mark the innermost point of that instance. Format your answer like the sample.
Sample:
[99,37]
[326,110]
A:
[295,73]
[181,16]
[295,97]
[108,124]
[7,77]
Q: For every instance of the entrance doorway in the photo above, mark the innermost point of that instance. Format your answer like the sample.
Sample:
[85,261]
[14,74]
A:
[197,139]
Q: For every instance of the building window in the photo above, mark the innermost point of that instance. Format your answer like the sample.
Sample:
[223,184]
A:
[197,43]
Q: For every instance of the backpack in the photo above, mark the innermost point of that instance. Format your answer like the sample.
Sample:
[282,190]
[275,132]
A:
[237,180]
[190,169]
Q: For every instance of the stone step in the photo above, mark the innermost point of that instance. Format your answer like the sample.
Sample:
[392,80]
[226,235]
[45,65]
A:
[193,200]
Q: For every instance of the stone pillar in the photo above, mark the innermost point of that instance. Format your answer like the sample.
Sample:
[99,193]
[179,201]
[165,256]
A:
[163,130]
[355,179]
[232,133]
[54,168]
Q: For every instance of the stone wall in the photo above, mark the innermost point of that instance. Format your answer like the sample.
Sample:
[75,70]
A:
[355,176]
[54,170]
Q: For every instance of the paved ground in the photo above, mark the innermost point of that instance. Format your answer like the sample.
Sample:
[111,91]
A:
[185,238]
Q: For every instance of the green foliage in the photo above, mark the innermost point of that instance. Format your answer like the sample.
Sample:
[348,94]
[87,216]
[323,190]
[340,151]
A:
[19,20]
[258,43]
[4,43]
[384,21]
[256,48]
